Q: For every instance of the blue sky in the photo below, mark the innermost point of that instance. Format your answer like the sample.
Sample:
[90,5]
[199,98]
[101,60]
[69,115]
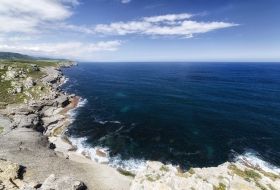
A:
[142,30]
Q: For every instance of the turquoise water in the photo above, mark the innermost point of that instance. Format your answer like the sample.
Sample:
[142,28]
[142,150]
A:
[187,114]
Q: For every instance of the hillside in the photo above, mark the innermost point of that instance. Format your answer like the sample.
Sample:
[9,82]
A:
[10,55]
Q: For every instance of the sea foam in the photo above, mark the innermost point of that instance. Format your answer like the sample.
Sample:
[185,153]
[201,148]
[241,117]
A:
[253,159]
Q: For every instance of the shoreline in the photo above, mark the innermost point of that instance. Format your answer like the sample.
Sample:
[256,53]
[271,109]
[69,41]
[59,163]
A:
[51,153]
[243,159]
[43,121]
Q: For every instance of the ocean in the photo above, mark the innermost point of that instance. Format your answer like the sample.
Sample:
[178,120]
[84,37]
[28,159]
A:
[185,114]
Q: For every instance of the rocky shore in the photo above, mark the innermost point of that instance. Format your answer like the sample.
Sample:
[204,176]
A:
[33,154]
[228,176]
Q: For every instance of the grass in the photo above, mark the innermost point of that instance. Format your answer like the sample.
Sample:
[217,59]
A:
[253,174]
[248,179]
[270,175]
[164,168]
[191,171]
[237,171]
[149,178]
[221,187]
[260,186]
[6,85]
[271,187]
[1,129]
[42,63]
[126,173]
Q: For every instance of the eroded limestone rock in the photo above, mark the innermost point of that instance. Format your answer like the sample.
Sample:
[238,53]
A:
[28,121]
[228,176]
[64,183]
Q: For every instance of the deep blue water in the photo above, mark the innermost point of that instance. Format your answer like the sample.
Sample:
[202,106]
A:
[187,114]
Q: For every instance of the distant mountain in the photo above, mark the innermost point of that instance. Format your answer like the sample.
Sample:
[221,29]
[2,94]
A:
[10,55]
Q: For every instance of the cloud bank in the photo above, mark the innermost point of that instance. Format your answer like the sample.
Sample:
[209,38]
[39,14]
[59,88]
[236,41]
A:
[26,15]
[163,25]
[69,50]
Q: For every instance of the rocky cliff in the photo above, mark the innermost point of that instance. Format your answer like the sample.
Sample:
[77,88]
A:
[35,114]
[228,176]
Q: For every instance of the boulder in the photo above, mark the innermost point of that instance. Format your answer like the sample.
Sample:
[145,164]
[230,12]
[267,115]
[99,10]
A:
[64,183]
[11,74]
[62,100]
[29,83]
[52,120]
[28,121]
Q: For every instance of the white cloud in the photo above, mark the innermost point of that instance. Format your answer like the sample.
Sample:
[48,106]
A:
[27,15]
[169,17]
[164,25]
[69,50]
[21,38]
[125,1]
[73,2]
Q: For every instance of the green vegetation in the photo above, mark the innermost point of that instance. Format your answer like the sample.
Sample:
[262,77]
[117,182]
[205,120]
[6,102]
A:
[1,129]
[260,186]
[40,63]
[191,171]
[247,174]
[221,187]
[10,56]
[271,187]
[31,68]
[206,180]
[164,168]
[126,173]
[237,171]
[270,175]
[149,178]
[253,174]
[248,179]
[158,177]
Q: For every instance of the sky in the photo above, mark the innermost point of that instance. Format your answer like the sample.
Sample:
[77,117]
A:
[142,30]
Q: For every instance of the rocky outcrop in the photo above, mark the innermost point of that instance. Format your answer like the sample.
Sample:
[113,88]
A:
[230,176]
[8,175]
[10,180]
[68,64]
[29,83]
[28,121]
[64,183]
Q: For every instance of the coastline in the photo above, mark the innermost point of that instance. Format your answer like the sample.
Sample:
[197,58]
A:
[34,151]
[50,115]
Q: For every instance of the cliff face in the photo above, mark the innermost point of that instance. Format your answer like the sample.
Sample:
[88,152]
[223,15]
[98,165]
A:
[228,176]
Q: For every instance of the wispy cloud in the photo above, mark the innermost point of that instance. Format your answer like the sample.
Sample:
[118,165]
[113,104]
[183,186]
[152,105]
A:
[71,50]
[152,6]
[125,1]
[169,17]
[163,25]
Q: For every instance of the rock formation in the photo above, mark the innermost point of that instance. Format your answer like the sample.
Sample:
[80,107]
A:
[230,176]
